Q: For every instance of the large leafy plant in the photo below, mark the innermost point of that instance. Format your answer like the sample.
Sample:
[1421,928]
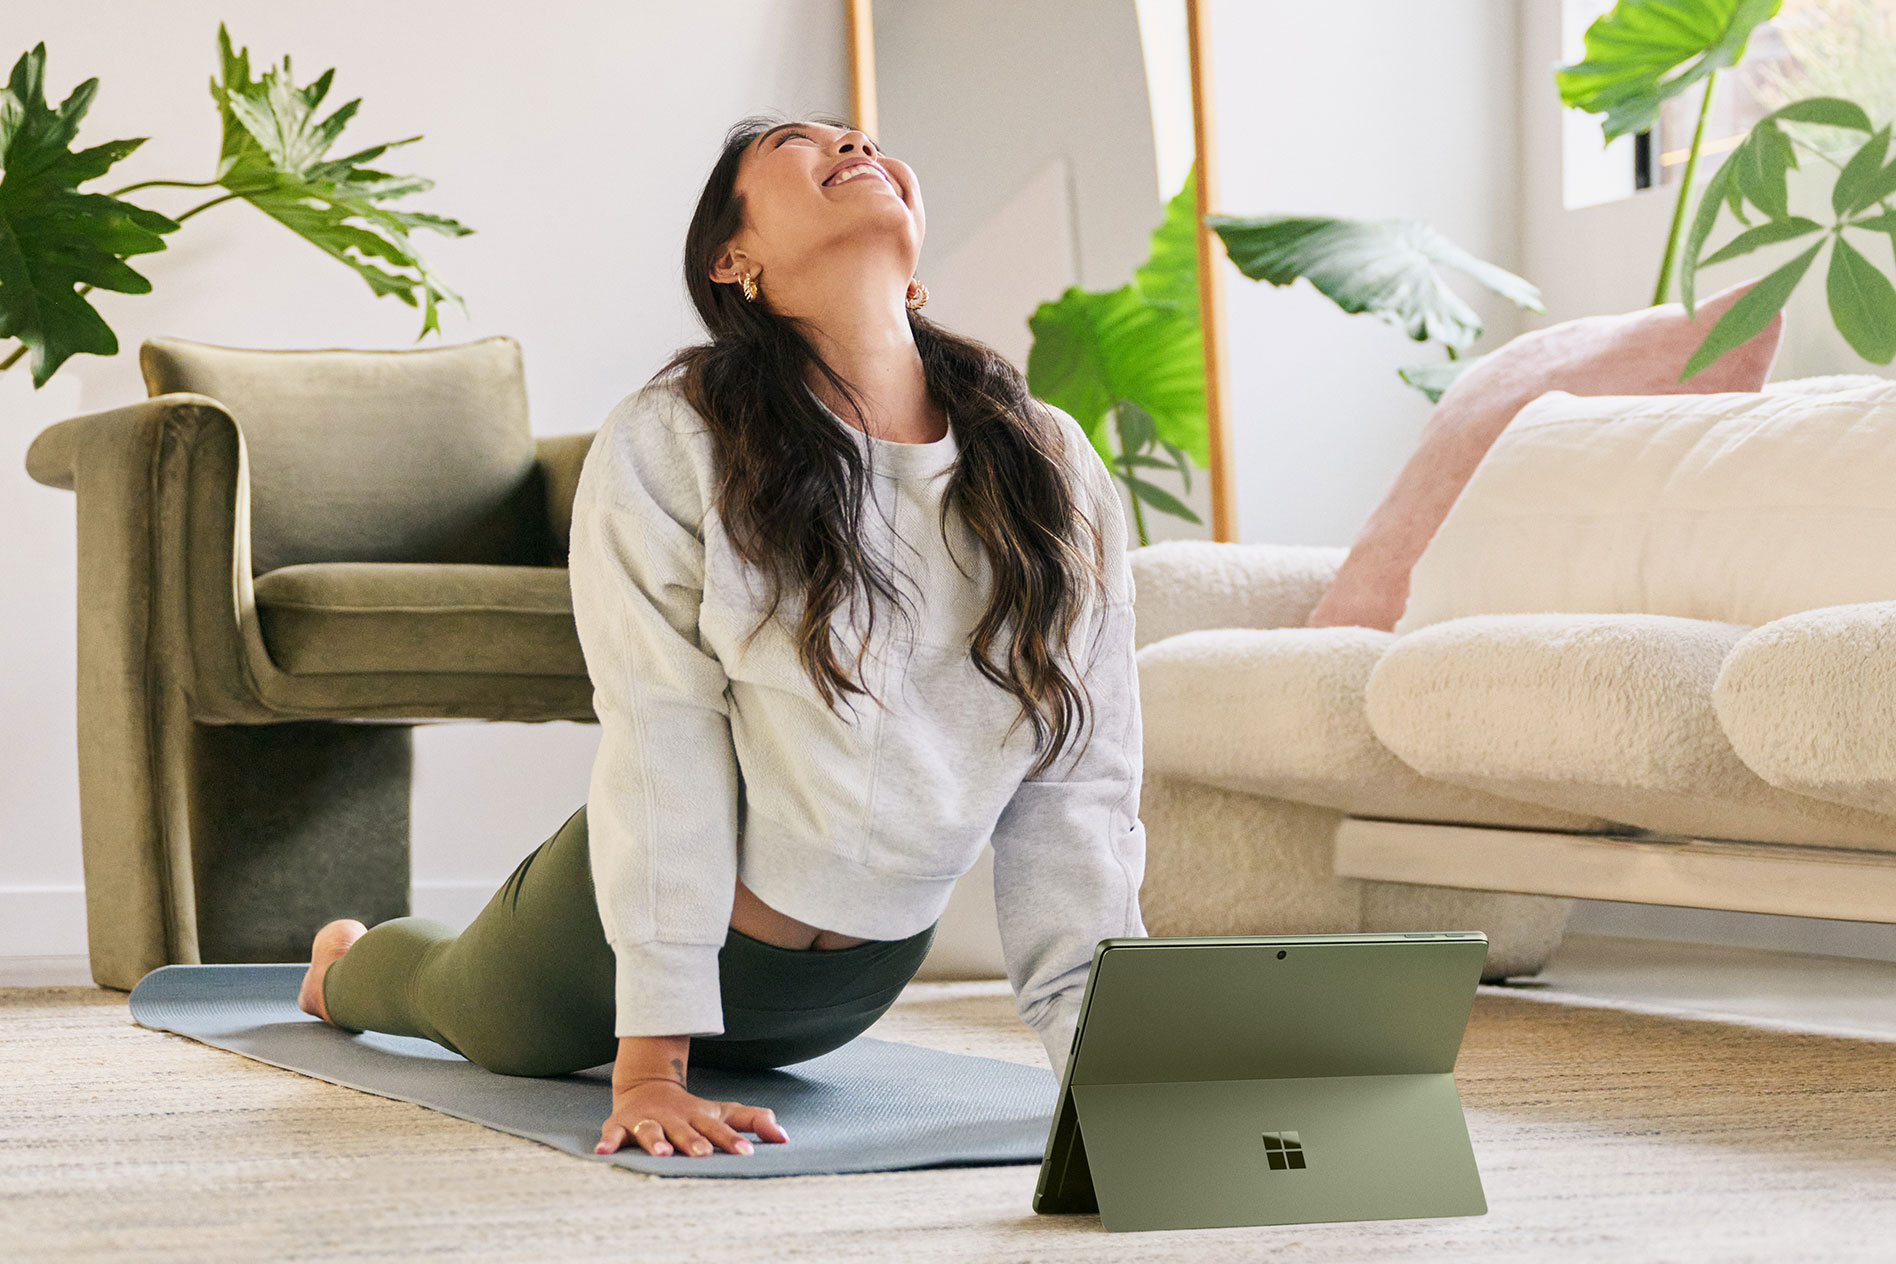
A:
[1643,52]
[1390,269]
[58,244]
[1129,364]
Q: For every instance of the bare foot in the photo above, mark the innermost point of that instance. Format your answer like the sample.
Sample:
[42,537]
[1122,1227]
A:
[330,943]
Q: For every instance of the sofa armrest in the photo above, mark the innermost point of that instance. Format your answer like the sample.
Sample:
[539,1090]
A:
[1186,585]
[560,458]
[164,554]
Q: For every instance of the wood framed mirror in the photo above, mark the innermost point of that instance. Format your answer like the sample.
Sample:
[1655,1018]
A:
[1048,140]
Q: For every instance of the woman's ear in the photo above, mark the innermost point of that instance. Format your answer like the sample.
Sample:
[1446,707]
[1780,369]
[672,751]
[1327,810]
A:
[728,265]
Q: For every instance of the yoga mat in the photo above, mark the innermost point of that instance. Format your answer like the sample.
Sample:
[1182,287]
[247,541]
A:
[872,1105]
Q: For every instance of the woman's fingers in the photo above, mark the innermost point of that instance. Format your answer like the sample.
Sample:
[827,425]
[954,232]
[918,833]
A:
[687,1138]
[722,1133]
[611,1137]
[758,1119]
[652,1137]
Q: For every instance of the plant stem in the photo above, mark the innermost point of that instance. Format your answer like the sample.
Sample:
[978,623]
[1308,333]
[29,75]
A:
[1685,190]
[163,184]
[207,206]
[8,362]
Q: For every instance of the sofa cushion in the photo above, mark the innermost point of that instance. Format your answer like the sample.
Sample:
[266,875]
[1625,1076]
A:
[375,456]
[1809,703]
[1279,712]
[1610,715]
[331,618]
[1736,508]
[1638,353]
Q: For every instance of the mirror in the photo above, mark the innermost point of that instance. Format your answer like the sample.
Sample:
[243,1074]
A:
[1049,139]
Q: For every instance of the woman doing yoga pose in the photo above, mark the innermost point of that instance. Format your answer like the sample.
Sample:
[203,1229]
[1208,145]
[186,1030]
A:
[757,872]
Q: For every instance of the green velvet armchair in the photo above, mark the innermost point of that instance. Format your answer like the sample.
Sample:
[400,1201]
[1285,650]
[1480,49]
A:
[287,559]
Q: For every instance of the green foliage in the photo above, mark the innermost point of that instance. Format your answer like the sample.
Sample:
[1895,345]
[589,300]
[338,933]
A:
[1384,267]
[1862,300]
[57,244]
[53,238]
[1130,362]
[274,157]
[1644,52]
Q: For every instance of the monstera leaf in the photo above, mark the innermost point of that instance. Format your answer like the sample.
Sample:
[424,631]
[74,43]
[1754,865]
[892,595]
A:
[53,238]
[1170,275]
[1633,52]
[274,156]
[1384,267]
[1092,350]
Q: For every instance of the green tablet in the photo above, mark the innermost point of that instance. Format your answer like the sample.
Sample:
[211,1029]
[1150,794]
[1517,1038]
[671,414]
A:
[1267,1079]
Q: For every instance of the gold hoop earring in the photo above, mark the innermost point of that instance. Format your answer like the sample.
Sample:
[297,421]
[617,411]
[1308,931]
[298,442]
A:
[749,283]
[916,300]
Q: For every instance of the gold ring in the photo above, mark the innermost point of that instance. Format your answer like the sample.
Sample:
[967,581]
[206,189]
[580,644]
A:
[641,1123]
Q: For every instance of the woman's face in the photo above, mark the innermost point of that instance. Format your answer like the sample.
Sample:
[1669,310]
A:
[792,216]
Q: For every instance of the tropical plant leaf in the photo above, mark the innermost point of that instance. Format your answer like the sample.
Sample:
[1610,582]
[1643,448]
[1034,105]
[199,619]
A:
[274,156]
[1863,304]
[1092,350]
[1384,267]
[53,238]
[1768,233]
[1170,274]
[1751,313]
[1435,379]
[1755,171]
[1633,51]
[1160,499]
[1864,180]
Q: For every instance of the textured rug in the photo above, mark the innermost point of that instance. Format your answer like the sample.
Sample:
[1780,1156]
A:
[1602,1134]
[871,1105]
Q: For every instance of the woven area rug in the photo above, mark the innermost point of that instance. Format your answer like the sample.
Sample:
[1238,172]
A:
[1602,1134]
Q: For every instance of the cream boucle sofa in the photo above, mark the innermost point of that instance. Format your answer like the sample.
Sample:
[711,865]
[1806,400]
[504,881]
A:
[1649,656]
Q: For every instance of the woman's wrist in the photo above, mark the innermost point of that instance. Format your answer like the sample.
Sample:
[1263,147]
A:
[650,1058]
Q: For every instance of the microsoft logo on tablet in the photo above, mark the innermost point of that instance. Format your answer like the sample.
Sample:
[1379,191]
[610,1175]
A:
[1284,1150]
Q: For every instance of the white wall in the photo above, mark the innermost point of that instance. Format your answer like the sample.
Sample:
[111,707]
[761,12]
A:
[1369,109]
[574,141]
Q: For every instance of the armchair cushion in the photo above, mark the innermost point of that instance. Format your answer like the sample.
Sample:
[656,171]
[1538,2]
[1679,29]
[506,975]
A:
[1279,712]
[331,618]
[375,456]
[1605,714]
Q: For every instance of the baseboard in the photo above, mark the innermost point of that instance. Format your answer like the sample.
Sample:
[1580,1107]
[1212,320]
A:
[50,921]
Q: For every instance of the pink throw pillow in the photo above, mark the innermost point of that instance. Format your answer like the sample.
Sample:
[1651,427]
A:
[1639,353]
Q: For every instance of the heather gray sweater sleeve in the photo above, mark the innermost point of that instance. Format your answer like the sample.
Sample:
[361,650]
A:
[1069,849]
[661,809]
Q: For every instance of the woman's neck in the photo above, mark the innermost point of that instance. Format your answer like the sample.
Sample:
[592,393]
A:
[868,341]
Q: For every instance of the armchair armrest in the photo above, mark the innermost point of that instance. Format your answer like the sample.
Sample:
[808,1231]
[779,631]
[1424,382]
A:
[1185,585]
[164,552]
[560,458]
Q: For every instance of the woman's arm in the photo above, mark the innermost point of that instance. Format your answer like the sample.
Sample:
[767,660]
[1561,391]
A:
[662,803]
[1069,848]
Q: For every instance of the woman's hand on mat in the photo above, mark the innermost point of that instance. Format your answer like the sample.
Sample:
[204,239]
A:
[692,1124]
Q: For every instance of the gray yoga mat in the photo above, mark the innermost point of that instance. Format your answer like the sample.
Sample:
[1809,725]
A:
[872,1105]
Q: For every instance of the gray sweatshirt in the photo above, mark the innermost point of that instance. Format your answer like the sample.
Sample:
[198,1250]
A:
[718,759]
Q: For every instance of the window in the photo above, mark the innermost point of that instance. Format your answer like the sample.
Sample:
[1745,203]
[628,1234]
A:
[1843,48]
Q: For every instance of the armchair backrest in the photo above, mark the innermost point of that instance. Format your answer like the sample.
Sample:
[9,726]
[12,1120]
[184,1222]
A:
[375,456]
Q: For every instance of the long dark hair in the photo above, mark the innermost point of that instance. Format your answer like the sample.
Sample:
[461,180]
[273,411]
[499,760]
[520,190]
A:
[792,487]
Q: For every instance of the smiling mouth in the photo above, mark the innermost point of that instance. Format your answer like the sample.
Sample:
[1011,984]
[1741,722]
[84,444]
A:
[868,173]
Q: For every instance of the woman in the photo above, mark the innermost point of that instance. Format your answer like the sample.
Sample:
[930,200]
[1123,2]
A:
[756,874]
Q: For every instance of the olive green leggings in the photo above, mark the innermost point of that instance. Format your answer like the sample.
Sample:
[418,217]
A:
[527,988]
